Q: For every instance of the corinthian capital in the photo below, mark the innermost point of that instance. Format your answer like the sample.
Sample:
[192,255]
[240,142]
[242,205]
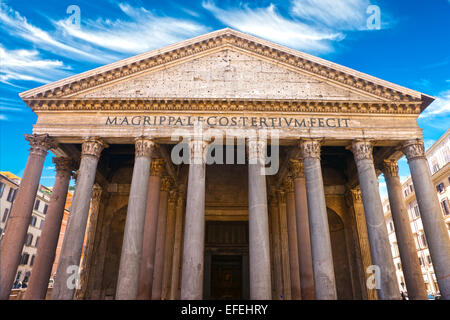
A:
[157,167]
[166,182]
[96,194]
[256,150]
[414,149]
[273,199]
[288,184]
[281,196]
[310,148]
[390,167]
[40,143]
[93,146]
[63,165]
[356,194]
[362,149]
[296,166]
[180,199]
[198,150]
[173,196]
[144,147]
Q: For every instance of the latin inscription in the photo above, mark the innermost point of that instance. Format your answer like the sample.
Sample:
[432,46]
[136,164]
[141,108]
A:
[228,121]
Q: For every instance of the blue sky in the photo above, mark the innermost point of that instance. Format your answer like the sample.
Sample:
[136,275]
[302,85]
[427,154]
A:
[40,44]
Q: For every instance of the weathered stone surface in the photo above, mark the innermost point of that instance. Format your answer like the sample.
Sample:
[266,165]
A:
[130,260]
[376,226]
[225,74]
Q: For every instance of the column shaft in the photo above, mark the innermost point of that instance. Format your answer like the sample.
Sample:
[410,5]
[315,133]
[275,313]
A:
[322,258]
[160,240]
[293,244]
[194,233]
[88,258]
[304,242]
[150,228]
[258,221]
[19,219]
[434,226]
[168,249]
[67,273]
[363,237]
[130,258]
[177,246]
[46,250]
[380,248]
[284,252]
[406,245]
[276,245]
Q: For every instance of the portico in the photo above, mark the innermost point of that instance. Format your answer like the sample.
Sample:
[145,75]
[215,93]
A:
[277,214]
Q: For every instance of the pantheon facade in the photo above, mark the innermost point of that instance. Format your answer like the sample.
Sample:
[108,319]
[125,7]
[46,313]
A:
[166,223]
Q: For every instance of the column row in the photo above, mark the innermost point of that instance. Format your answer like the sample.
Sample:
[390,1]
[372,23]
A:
[143,214]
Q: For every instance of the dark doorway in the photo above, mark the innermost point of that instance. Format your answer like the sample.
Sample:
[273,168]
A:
[226,260]
[226,277]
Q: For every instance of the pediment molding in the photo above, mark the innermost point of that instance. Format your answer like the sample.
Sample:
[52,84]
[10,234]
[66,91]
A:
[226,105]
[223,38]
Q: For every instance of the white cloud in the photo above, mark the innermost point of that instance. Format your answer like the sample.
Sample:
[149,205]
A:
[142,32]
[19,26]
[269,24]
[340,15]
[28,65]
[102,40]
[11,109]
[99,41]
[3,117]
[440,107]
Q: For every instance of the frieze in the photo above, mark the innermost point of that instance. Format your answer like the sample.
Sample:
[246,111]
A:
[304,106]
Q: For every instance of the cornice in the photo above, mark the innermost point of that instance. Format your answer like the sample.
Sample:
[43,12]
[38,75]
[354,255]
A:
[224,38]
[176,104]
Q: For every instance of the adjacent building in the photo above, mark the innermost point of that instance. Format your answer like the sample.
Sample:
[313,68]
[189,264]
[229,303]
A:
[438,156]
[9,185]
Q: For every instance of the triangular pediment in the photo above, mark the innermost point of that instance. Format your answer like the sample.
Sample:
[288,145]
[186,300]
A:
[225,64]
[226,74]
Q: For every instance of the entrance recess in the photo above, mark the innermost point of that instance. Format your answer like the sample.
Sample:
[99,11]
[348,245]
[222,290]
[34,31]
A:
[226,260]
